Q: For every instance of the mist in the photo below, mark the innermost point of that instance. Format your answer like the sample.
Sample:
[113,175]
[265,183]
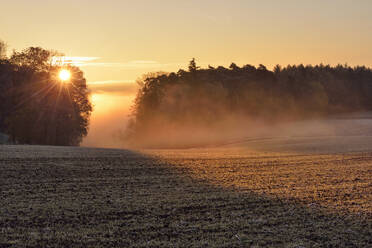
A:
[109,118]
[221,106]
[234,106]
[338,133]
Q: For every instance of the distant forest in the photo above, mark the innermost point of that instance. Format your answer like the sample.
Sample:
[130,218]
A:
[206,96]
[35,106]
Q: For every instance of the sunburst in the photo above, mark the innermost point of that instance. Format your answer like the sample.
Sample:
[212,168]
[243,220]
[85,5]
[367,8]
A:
[64,75]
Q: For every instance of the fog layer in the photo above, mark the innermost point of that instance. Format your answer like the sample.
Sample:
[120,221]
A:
[217,106]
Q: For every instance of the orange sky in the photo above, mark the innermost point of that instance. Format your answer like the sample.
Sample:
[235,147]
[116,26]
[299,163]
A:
[122,39]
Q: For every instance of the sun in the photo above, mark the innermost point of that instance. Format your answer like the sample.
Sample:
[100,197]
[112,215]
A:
[64,75]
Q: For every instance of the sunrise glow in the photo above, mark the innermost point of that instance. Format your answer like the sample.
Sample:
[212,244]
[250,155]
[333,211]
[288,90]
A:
[64,75]
[186,123]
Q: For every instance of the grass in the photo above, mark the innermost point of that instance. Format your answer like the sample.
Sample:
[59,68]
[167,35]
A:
[80,197]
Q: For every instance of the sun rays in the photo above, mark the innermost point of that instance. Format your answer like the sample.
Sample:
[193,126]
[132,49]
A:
[64,75]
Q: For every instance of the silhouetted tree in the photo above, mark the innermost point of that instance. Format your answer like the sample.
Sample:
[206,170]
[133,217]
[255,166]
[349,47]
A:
[2,50]
[192,65]
[37,108]
[207,96]
[5,85]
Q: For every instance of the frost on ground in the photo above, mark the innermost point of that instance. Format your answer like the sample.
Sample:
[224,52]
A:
[280,192]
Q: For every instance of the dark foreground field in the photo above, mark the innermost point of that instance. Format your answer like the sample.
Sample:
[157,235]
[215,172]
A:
[81,197]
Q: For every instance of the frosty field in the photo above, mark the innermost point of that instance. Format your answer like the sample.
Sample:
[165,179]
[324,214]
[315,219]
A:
[284,193]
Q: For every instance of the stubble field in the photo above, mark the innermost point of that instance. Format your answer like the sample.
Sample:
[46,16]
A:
[282,194]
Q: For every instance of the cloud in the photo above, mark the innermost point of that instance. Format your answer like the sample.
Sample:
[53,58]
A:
[76,61]
[136,64]
[105,82]
[122,87]
[96,62]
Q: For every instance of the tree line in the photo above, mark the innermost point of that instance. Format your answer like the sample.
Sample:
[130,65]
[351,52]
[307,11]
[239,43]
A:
[36,107]
[207,96]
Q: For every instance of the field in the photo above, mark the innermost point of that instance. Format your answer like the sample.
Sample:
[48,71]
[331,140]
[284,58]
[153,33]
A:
[287,192]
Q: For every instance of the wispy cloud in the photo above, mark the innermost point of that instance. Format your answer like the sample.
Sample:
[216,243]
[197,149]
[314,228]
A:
[106,82]
[98,62]
[77,61]
[138,64]
[122,87]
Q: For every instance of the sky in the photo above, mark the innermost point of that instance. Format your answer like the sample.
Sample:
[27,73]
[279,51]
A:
[118,40]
